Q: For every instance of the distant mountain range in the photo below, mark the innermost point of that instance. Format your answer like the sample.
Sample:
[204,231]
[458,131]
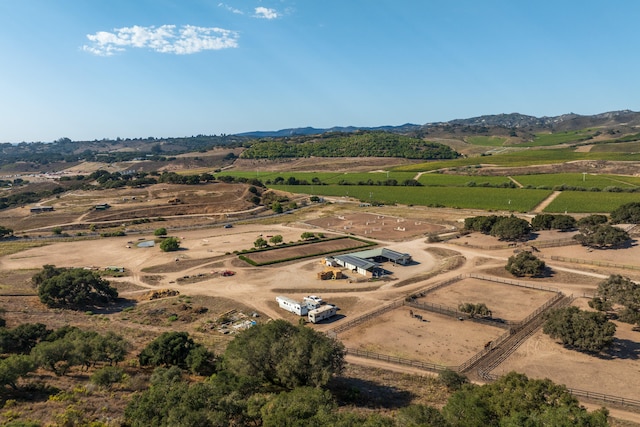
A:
[565,122]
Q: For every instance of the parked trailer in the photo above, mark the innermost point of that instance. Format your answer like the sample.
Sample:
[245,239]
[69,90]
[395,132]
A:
[293,306]
[322,313]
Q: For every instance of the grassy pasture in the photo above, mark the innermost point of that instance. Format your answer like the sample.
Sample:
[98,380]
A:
[578,180]
[486,141]
[589,202]
[443,180]
[460,197]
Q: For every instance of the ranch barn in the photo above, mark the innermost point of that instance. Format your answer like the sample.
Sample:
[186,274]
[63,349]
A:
[367,263]
[359,265]
[384,255]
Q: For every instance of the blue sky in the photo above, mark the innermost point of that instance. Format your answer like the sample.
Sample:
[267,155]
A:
[138,68]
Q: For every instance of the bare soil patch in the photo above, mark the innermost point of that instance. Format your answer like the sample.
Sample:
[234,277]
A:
[507,302]
[615,373]
[441,340]
[377,226]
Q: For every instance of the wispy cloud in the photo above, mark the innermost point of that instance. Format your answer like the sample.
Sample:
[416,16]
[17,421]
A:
[266,13]
[185,40]
[230,8]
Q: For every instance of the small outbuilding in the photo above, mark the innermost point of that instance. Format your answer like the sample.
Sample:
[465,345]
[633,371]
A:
[40,209]
[359,265]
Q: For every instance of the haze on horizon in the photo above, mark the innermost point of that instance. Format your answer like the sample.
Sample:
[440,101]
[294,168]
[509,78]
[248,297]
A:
[117,68]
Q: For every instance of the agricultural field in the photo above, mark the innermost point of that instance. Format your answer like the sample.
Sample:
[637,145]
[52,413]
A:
[325,177]
[486,141]
[589,202]
[508,199]
[618,147]
[586,180]
[547,139]
[448,180]
[521,158]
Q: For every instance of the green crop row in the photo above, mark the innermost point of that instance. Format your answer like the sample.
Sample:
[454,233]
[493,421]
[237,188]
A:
[547,139]
[519,200]
[448,180]
[617,147]
[585,180]
[325,177]
[587,202]
[519,158]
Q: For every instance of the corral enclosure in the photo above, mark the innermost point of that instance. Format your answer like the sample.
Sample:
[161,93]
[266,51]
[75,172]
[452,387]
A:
[438,339]
[377,226]
[507,302]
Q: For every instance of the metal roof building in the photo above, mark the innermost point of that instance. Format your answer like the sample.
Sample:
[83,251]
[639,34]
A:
[384,254]
[360,265]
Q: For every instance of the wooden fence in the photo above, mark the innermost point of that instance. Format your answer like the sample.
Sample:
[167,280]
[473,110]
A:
[601,397]
[584,394]
[364,318]
[472,361]
[511,282]
[436,287]
[399,360]
[595,262]
[541,244]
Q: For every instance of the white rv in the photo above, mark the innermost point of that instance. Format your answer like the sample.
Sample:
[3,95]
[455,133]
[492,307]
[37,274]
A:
[293,306]
[324,312]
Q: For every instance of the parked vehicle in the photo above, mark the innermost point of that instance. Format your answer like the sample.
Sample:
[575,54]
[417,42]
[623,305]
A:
[322,313]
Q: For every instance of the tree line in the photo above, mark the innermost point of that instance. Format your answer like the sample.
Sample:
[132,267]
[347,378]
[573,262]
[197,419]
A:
[358,144]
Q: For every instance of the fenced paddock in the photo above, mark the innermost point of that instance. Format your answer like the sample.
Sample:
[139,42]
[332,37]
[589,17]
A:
[508,300]
[437,339]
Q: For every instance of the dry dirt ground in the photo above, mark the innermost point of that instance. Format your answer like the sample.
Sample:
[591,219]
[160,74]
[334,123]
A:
[507,302]
[74,211]
[439,340]
[384,227]
[616,373]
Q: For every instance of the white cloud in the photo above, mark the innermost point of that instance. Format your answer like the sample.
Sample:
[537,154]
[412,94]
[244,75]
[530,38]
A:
[266,13]
[230,8]
[185,40]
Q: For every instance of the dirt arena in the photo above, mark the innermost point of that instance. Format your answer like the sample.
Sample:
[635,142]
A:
[507,302]
[310,249]
[373,226]
[441,339]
